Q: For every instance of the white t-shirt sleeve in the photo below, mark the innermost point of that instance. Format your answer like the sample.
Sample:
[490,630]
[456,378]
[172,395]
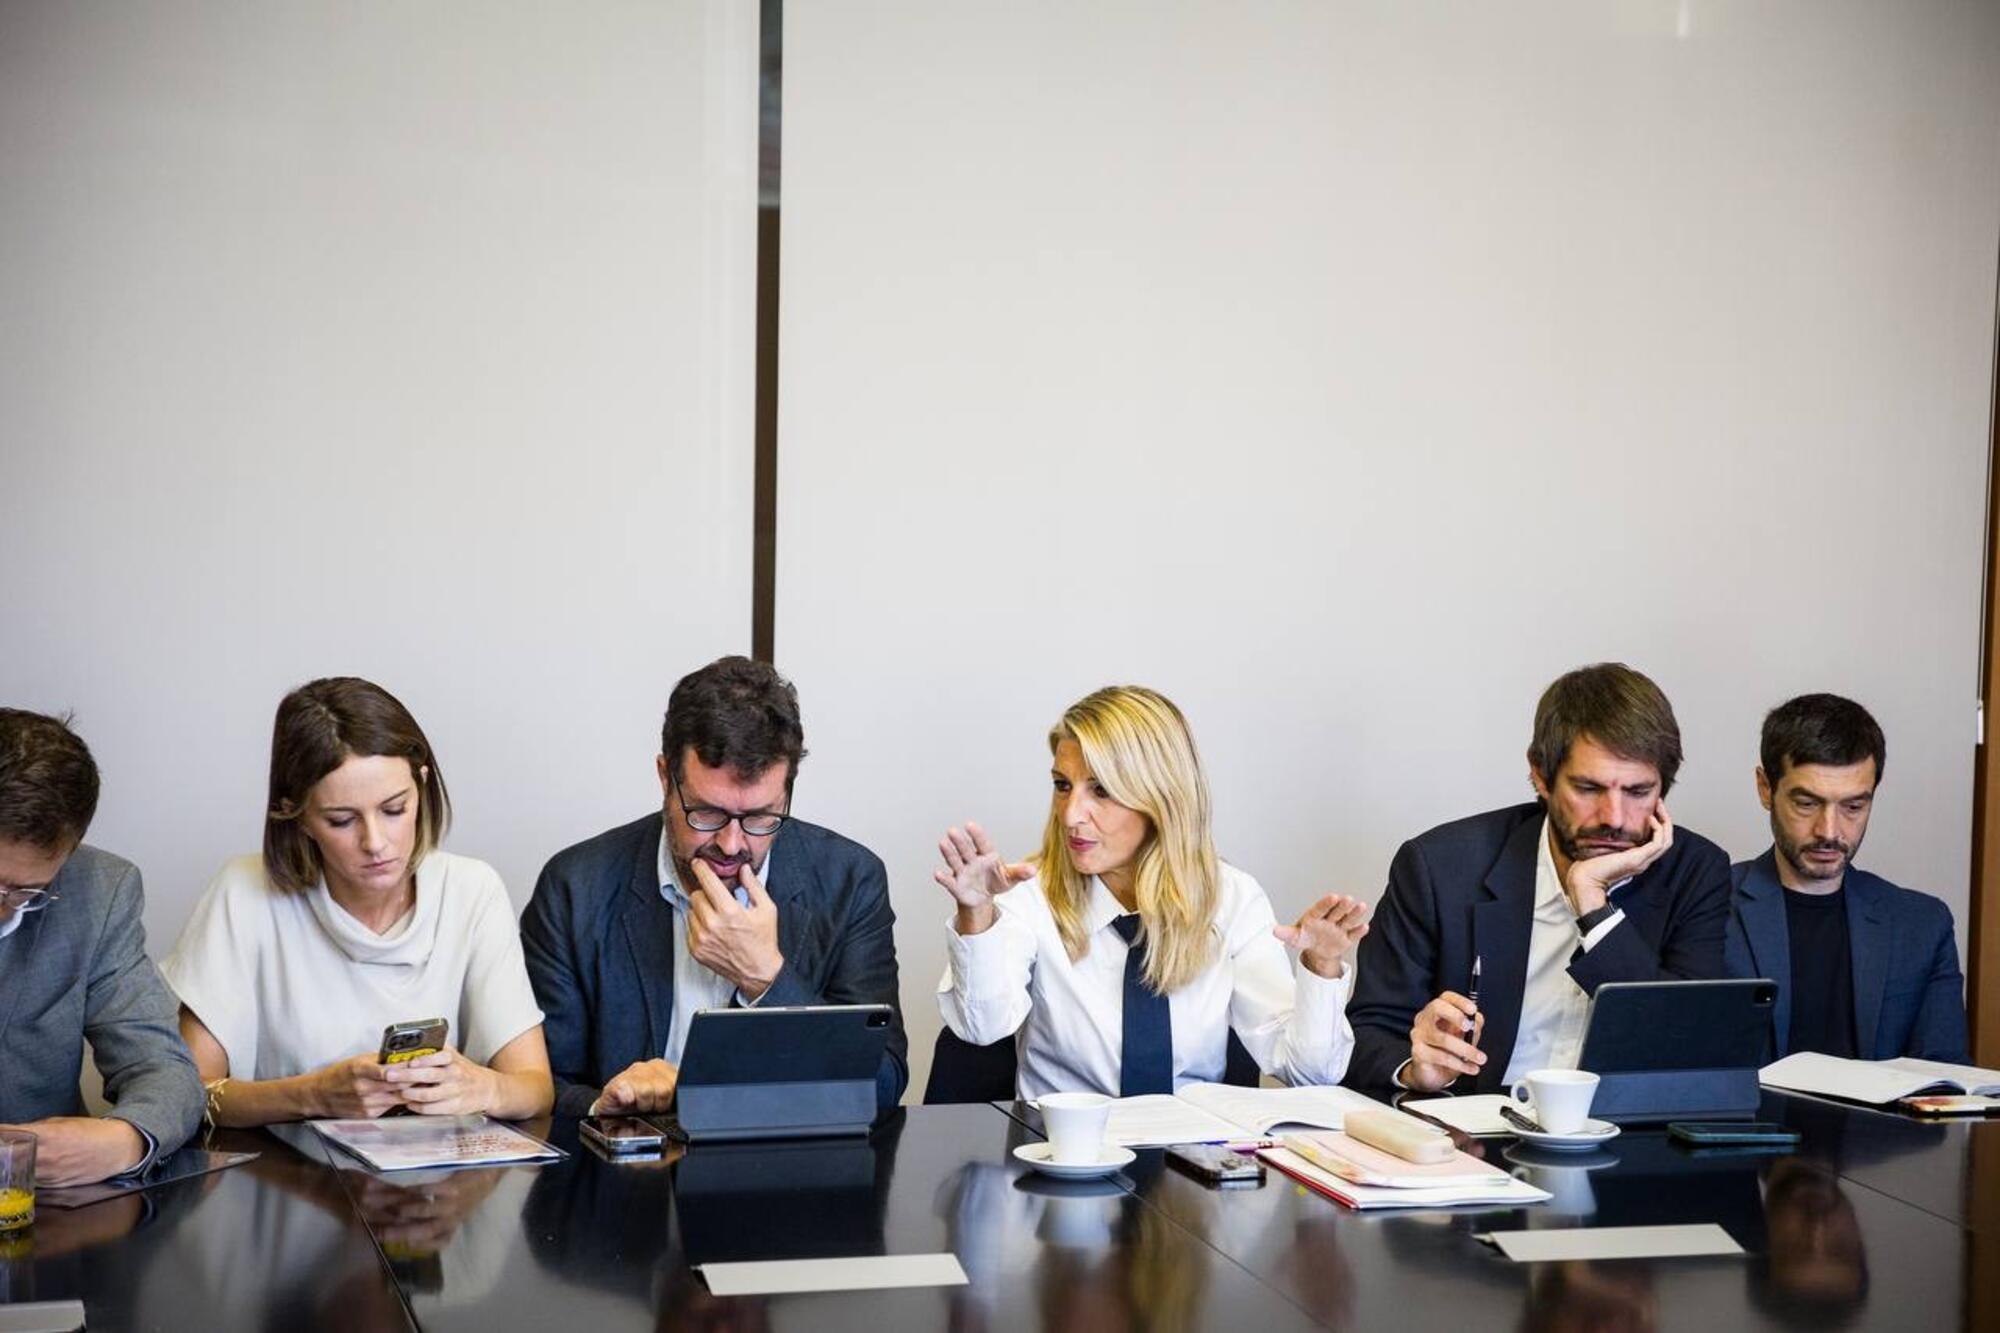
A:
[213,966]
[496,1001]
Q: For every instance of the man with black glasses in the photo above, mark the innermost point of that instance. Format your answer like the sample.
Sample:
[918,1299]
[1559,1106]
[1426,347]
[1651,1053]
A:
[73,966]
[720,899]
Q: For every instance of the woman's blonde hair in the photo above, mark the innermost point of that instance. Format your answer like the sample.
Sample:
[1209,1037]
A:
[1138,747]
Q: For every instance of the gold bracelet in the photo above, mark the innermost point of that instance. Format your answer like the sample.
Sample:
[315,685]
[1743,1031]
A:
[212,1100]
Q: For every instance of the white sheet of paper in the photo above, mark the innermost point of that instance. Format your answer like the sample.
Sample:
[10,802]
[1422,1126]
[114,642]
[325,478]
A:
[1529,1247]
[1258,1111]
[1155,1120]
[867,1273]
[1478,1116]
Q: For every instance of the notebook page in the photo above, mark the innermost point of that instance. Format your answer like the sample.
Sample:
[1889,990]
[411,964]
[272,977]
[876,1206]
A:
[1257,1111]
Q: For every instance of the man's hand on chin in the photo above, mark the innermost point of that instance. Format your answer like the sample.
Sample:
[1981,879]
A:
[1588,883]
[737,943]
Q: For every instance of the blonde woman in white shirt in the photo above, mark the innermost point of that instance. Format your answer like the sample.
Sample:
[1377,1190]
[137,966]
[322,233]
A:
[353,919]
[1124,955]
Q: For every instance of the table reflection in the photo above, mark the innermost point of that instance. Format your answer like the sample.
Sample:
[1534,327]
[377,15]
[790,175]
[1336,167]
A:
[1092,1254]
[273,1236]
[1814,1271]
[1598,1296]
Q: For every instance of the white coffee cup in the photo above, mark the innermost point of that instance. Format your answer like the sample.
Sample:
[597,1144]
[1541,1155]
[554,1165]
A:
[1075,1122]
[1560,1097]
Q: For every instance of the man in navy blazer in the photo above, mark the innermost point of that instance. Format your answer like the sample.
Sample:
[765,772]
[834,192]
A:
[1496,929]
[1864,969]
[720,899]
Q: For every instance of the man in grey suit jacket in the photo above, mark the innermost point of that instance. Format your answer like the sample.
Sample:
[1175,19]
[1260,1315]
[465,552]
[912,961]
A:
[720,899]
[1864,969]
[73,966]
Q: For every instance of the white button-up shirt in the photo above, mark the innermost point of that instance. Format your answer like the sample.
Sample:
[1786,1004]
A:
[695,985]
[1553,1007]
[1017,978]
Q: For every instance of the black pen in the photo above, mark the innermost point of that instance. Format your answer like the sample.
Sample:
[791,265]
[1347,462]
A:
[1473,1021]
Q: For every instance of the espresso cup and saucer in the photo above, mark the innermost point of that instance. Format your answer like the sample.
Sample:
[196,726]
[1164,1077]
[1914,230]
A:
[1559,1102]
[1075,1150]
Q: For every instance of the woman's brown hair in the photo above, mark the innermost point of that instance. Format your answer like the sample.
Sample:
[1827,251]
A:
[320,726]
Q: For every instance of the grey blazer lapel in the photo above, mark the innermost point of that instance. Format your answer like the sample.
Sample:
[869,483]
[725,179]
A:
[1760,905]
[649,932]
[1502,921]
[1868,941]
[19,953]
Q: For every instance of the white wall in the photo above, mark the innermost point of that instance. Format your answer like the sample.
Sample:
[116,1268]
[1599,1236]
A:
[1346,371]
[411,341]
[1350,371]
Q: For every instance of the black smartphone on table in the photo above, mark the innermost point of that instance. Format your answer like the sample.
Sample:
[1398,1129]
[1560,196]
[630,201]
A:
[1216,1166]
[622,1134]
[1734,1133]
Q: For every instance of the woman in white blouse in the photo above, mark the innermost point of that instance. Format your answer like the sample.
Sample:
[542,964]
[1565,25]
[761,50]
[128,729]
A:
[353,919]
[1041,950]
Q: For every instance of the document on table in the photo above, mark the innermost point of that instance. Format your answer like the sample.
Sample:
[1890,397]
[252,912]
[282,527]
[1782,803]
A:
[1217,1112]
[1874,1081]
[1478,1116]
[1560,1243]
[866,1273]
[401,1143]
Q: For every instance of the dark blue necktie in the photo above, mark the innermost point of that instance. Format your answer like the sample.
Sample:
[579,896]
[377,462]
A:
[1149,1027]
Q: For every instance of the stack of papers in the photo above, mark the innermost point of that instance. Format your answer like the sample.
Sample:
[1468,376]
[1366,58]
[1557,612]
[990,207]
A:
[1877,1082]
[1466,1184]
[1360,1163]
[406,1143]
[1219,1112]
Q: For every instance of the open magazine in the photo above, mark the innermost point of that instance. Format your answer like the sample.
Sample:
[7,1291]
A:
[405,1143]
[1220,1112]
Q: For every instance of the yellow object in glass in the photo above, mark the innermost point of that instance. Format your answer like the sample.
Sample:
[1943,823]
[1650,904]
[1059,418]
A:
[17,1209]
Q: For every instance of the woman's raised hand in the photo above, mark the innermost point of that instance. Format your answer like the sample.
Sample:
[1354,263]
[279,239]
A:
[974,874]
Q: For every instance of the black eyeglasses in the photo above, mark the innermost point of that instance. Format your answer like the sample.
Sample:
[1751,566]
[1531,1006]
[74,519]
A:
[708,819]
[26,899]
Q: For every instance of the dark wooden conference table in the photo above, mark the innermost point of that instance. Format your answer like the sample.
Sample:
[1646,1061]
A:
[1878,1221]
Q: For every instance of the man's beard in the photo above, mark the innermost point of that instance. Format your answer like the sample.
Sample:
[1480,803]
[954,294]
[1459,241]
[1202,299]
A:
[1795,855]
[1570,841]
[725,868]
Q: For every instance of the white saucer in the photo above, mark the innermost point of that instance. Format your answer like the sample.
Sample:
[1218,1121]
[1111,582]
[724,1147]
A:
[1593,1134]
[1037,1156]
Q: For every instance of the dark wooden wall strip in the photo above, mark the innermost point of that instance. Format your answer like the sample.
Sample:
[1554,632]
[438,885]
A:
[764,540]
[1982,938]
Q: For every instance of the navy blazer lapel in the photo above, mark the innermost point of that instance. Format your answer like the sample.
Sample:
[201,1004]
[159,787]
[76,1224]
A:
[1868,943]
[649,932]
[793,884]
[1760,906]
[1502,922]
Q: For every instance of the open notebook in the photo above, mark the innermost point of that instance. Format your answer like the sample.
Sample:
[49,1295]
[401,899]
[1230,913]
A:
[1877,1082]
[1219,1112]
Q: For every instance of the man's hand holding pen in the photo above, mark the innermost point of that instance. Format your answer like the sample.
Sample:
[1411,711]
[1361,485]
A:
[1444,1043]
